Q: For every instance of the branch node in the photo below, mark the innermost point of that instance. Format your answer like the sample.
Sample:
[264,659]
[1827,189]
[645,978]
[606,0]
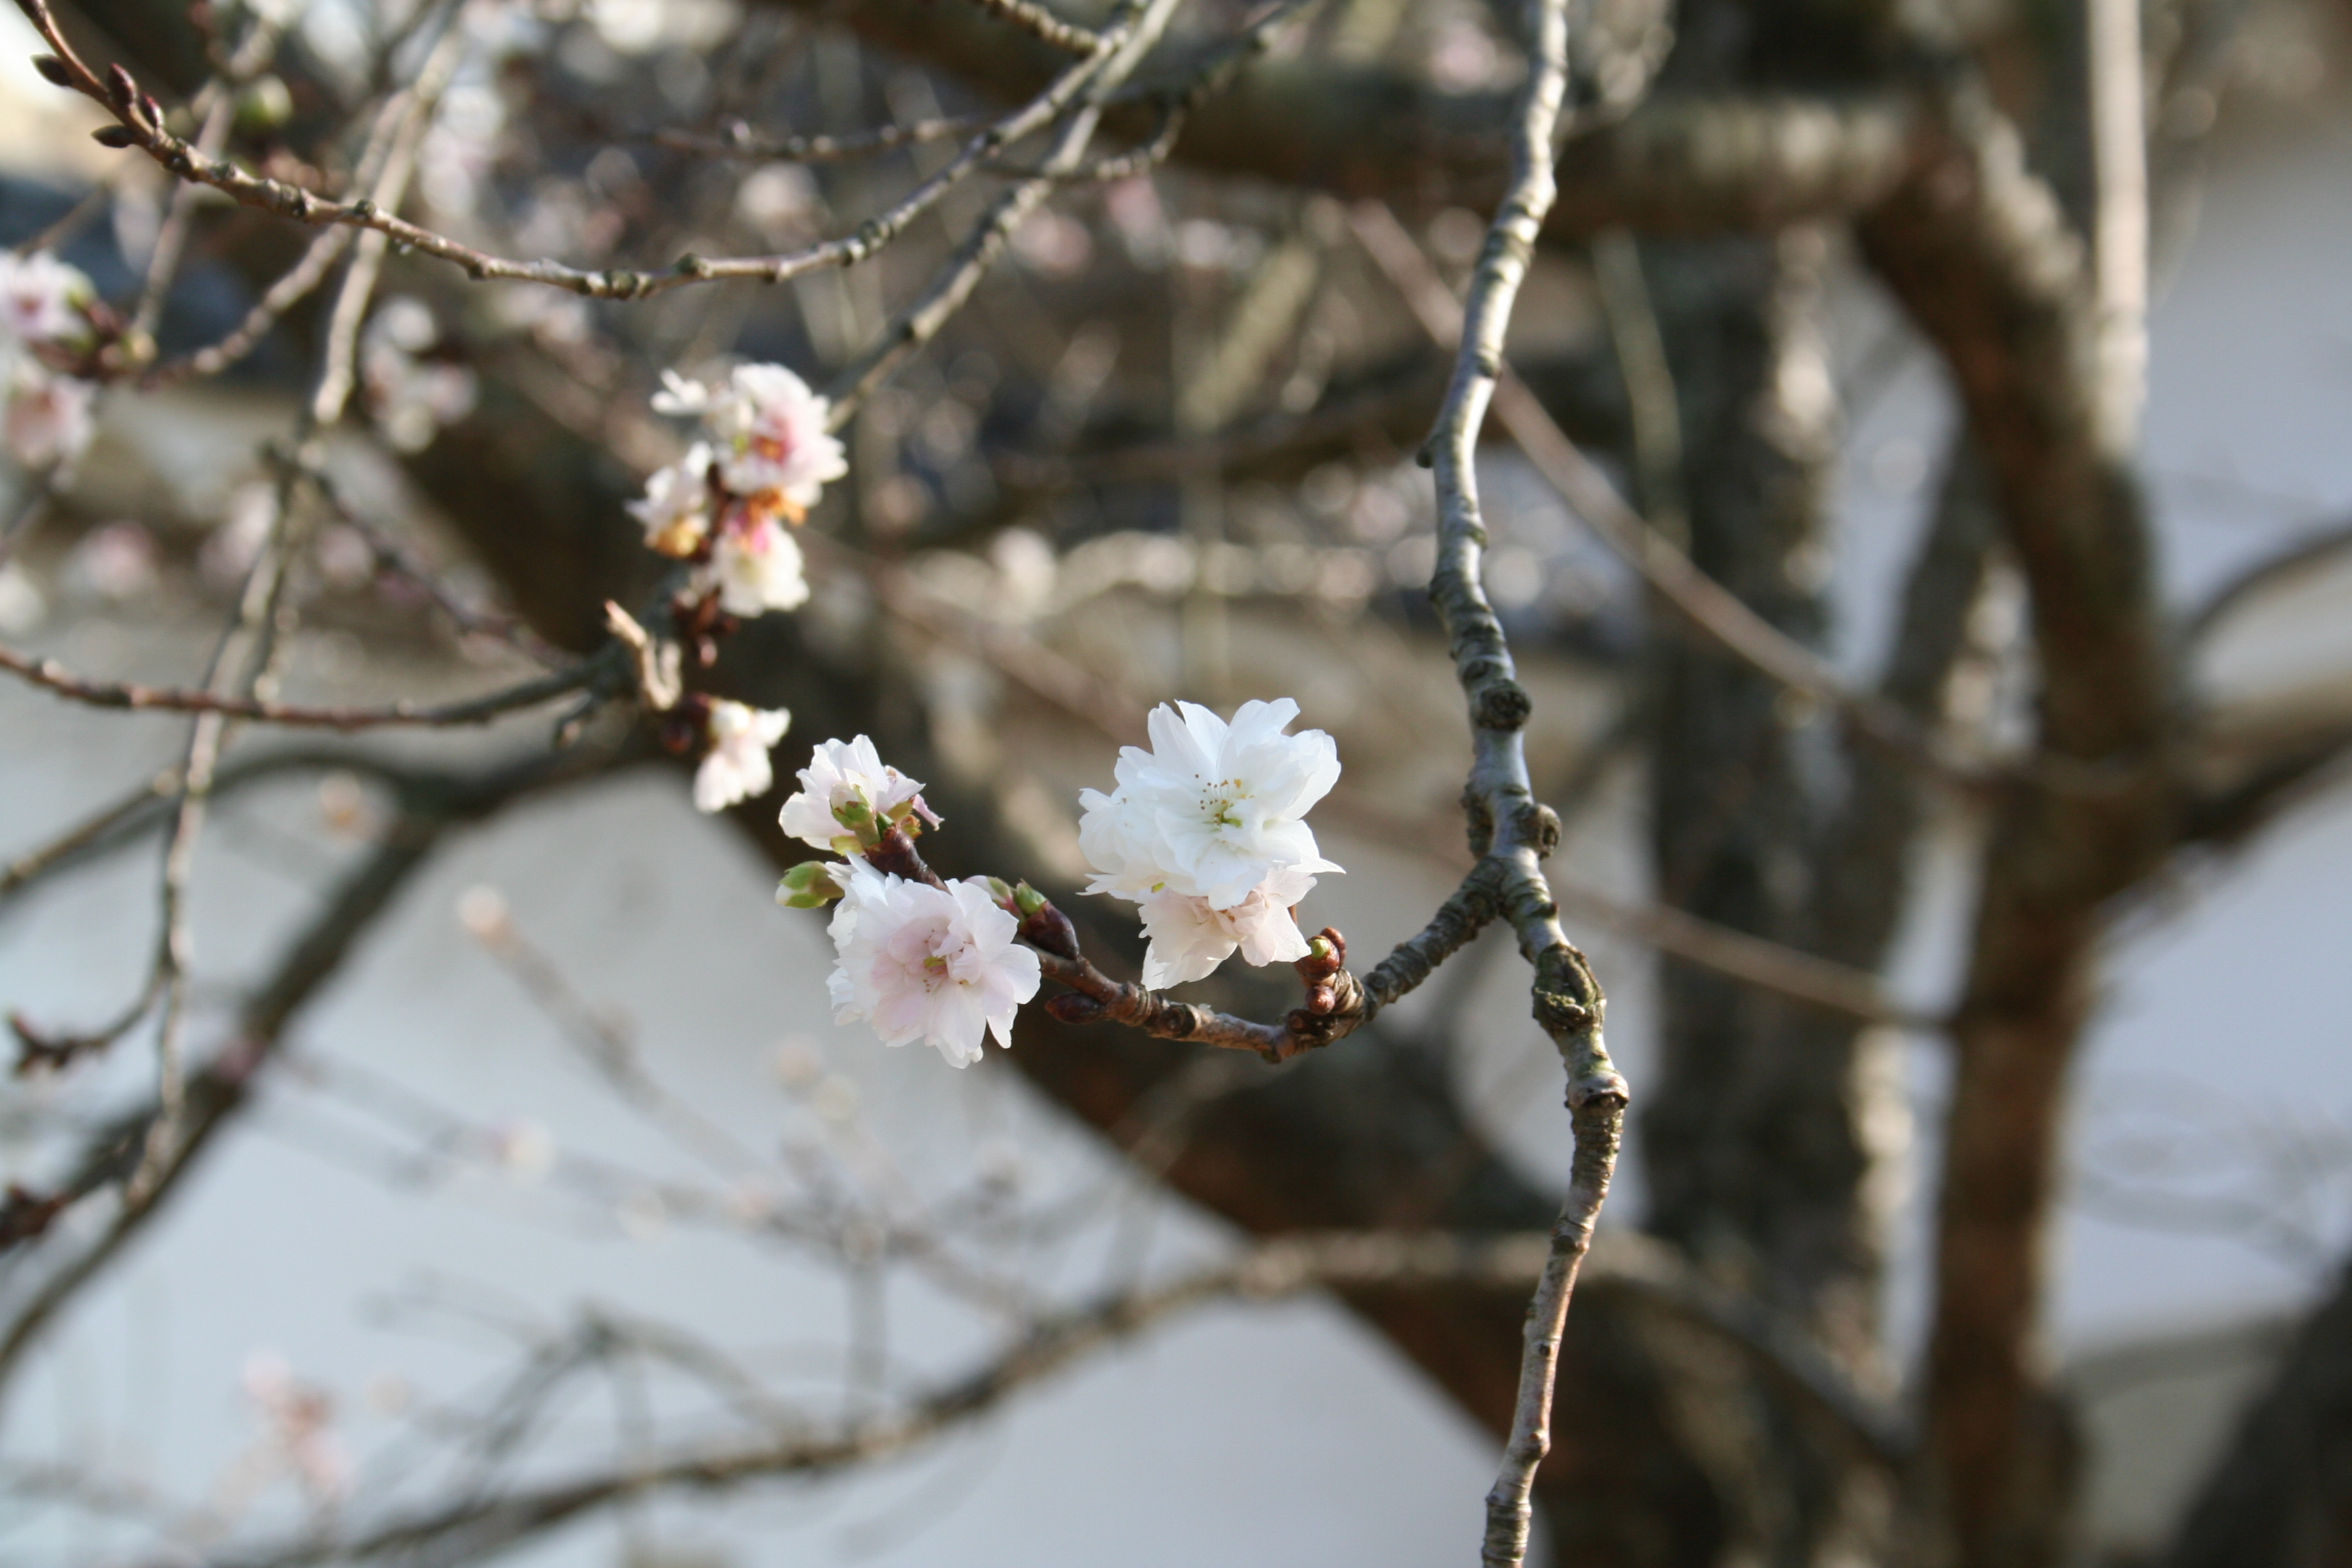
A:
[1539,829]
[1595,1087]
[1503,705]
[1563,1015]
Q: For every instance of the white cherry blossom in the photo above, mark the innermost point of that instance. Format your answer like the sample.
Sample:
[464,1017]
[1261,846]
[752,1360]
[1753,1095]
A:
[840,772]
[48,418]
[756,565]
[676,507]
[41,299]
[1205,832]
[769,428]
[736,767]
[1213,806]
[1190,938]
[936,964]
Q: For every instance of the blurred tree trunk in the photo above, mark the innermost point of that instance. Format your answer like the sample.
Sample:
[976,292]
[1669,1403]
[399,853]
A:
[1754,1154]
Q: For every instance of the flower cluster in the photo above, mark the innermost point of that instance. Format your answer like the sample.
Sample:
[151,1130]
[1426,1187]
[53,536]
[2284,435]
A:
[45,333]
[1206,832]
[938,963]
[765,458]
[722,507]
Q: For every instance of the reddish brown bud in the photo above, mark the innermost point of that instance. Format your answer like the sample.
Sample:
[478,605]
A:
[1075,1007]
[1049,929]
[54,69]
[115,136]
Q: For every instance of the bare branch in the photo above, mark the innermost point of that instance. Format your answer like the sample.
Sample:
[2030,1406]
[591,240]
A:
[1757,161]
[51,675]
[2119,245]
[435,803]
[2318,548]
[738,140]
[1039,23]
[135,128]
[1706,603]
[474,1529]
[1507,825]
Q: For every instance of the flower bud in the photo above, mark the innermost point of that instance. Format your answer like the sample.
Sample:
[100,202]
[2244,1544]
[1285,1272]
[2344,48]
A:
[808,886]
[1028,899]
[1075,1007]
[1049,930]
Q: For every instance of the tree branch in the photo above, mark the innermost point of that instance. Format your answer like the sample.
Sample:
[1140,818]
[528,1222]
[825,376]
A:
[433,805]
[1370,132]
[51,675]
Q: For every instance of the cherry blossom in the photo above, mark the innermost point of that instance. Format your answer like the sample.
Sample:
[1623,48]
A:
[298,1435]
[1206,832]
[48,418]
[1190,937]
[769,430]
[736,767]
[936,964]
[41,299]
[756,566]
[676,508]
[1213,806]
[847,776]
[44,414]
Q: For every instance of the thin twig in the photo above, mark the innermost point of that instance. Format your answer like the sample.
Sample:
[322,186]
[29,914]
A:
[139,129]
[51,675]
[1707,604]
[2317,548]
[738,140]
[433,804]
[1039,22]
[1507,825]
[475,1529]
[292,287]
[1125,43]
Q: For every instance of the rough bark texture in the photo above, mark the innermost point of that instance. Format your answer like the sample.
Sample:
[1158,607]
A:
[1976,251]
[1733,805]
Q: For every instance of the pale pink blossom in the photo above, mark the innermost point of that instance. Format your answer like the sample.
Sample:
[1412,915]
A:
[676,508]
[756,565]
[736,767]
[48,418]
[42,299]
[769,428]
[845,773]
[298,1435]
[1190,938]
[936,964]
